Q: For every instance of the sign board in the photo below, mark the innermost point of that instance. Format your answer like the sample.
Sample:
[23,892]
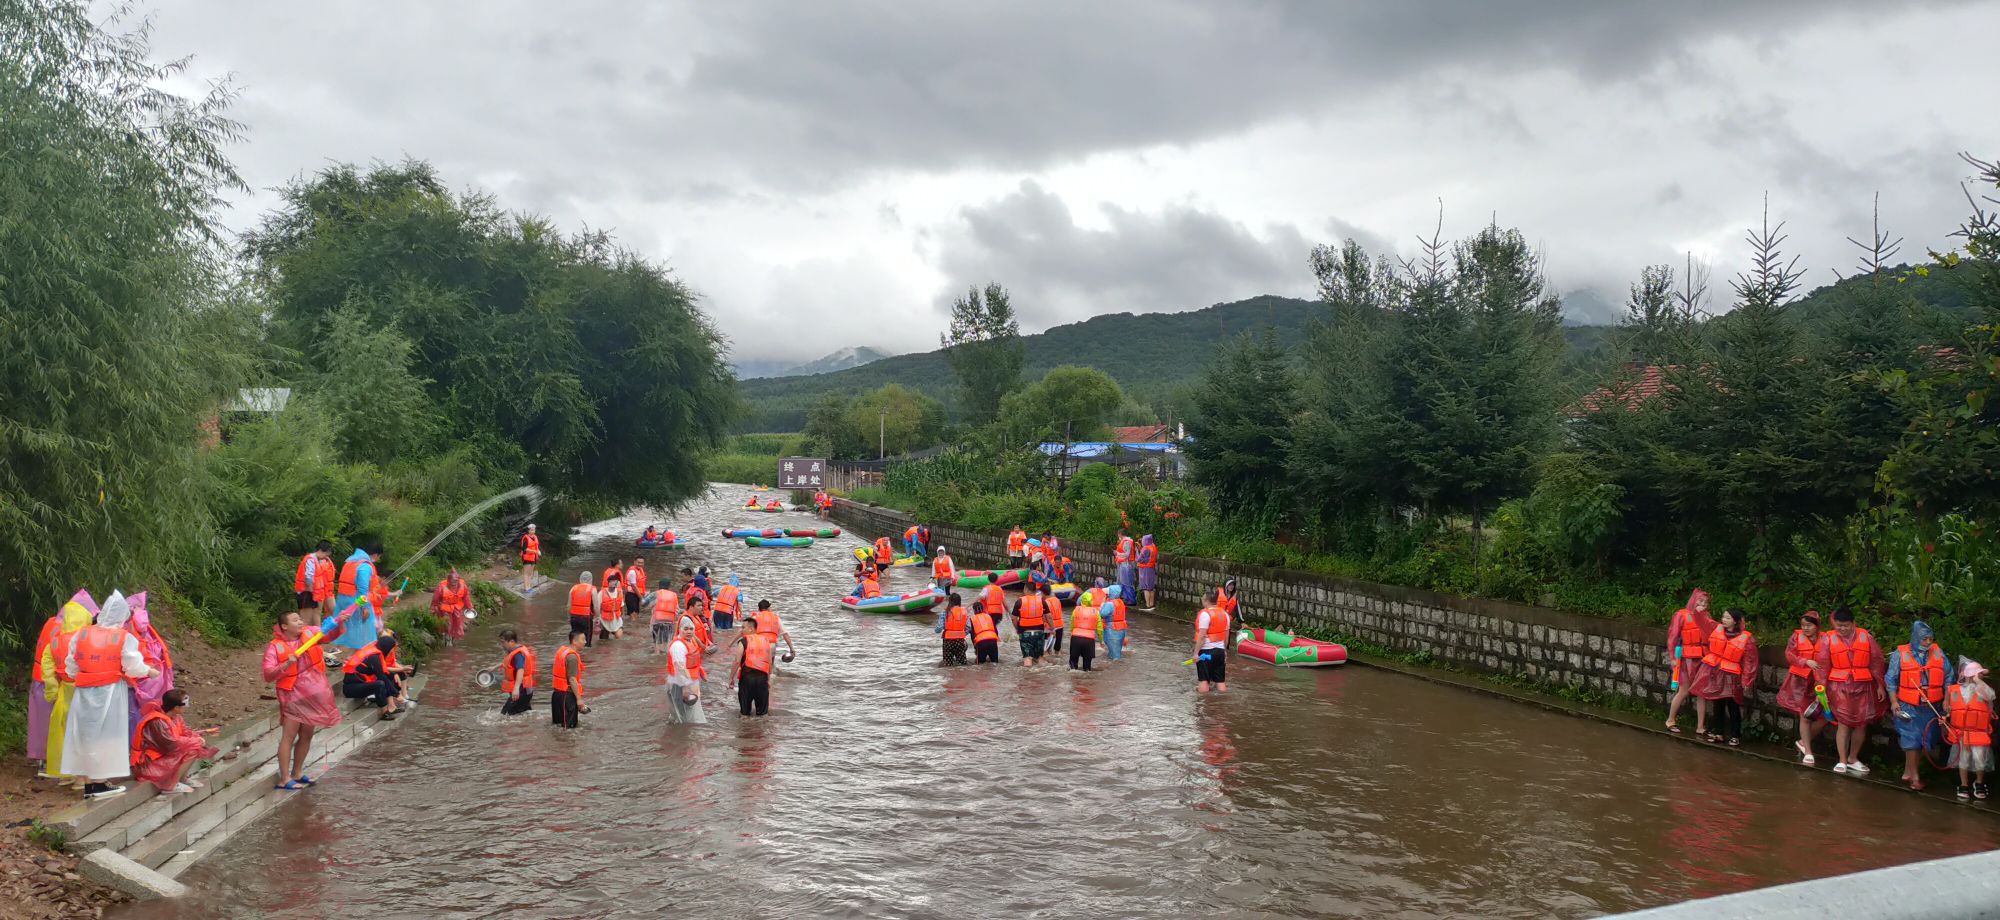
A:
[801,472]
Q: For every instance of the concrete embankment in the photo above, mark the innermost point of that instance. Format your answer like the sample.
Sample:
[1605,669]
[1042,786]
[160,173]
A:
[141,841]
[1477,644]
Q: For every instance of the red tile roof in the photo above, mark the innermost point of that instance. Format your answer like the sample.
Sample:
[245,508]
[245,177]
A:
[1628,392]
[1142,434]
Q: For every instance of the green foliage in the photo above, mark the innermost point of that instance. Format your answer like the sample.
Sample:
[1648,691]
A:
[1241,431]
[1153,356]
[379,408]
[890,421]
[48,835]
[1068,403]
[983,345]
[117,333]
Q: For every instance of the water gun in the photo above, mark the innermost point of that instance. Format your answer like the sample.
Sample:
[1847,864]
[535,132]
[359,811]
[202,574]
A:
[1674,682]
[1820,707]
[327,625]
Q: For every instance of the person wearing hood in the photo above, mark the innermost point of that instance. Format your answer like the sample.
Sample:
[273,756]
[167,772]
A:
[305,699]
[1687,644]
[684,677]
[154,648]
[1125,557]
[1797,695]
[360,585]
[163,747]
[1148,563]
[97,732]
[1851,659]
[1111,615]
[1918,673]
[943,571]
[56,688]
[1969,719]
[1728,675]
[450,601]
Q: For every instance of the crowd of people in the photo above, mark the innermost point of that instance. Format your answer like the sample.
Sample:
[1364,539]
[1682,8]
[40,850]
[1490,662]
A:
[1840,677]
[102,703]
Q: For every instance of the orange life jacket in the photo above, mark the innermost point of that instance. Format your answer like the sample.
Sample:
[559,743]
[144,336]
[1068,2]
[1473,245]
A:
[98,650]
[611,604]
[1804,649]
[767,623]
[579,600]
[1028,617]
[1227,604]
[982,627]
[1850,661]
[1694,637]
[728,599]
[557,681]
[666,606]
[349,574]
[941,568]
[59,651]
[870,587]
[307,563]
[1970,719]
[994,601]
[452,600]
[1123,553]
[757,652]
[1117,613]
[884,553]
[611,578]
[323,579]
[910,534]
[1015,541]
[1083,624]
[635,579]
[1053,609]
[954,623]
[50,630]
[1916,683]
[1149,556]
[1218,626]
[695,670]
[531,547]
[694,597]
[512,679]
[314,658]
[140,752]
[363,655]
[1727,653]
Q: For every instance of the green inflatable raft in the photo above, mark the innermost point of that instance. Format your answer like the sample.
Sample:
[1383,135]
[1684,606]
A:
[777,542]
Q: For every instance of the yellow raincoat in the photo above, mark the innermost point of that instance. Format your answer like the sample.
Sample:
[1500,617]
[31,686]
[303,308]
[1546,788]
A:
[56,687]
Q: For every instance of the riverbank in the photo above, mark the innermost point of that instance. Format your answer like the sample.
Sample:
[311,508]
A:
[1489,647]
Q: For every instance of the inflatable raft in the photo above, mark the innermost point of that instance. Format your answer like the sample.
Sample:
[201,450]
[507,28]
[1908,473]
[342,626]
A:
[979,578]
[773,508]
[914,602]
[811,532]
[738,533]
[777,542]
[1065,591]
[865,554]
[1288,651]
[662,544]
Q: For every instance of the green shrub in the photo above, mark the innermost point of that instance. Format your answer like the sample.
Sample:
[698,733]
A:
[747,469]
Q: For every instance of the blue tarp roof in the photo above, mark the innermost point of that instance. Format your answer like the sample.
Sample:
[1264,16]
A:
[1092,449]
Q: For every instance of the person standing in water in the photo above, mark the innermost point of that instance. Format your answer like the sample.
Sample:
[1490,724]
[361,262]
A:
[751,678]
[1852,661]
[531,552]
[1029,623]
[769,624]
[1052,612]
[449,601]
[728,604]
[985,634]
[952,624]
[517,673]
[1084,625]
[1211,647]
[1112,615]
[666,616]
[611,604]
[635,587]
[583,607]
[943,571]
[684,676]
[1797,695]
[566,680]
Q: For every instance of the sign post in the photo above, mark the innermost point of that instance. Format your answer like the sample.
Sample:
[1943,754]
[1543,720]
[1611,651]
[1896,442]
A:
[801,472]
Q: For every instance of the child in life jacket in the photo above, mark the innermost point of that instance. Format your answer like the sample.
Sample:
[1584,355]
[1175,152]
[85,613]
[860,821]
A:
[1969,721]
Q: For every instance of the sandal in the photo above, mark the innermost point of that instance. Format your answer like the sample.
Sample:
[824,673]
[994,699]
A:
[1735,742]
[1673,728]
[290,785]
[1979,790]
[305,780]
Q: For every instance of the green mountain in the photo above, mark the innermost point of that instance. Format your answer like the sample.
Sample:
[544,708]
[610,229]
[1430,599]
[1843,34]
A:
[1149,354]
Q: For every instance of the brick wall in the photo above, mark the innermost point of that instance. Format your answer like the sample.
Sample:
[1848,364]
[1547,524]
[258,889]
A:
[1612,658]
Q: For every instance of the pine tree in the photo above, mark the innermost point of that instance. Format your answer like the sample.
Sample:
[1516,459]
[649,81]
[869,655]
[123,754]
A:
[983,344]
[1240,432]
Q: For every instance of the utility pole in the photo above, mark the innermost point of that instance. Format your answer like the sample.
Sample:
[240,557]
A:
[882,435]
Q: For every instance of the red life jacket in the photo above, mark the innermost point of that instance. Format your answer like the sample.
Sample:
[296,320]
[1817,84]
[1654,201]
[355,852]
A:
[140,752]
[98,651]
[1802,649]
[1726,653]
[531,547]
[360,657]
[1850,661]
[307,563]
[1694,636]
[757,652]
[1916,683]
[1969,718]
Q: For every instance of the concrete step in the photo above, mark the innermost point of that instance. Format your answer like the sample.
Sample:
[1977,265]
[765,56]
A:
[79,821]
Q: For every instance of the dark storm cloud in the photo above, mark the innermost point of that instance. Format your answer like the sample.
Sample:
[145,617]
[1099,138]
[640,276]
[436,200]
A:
[1057,270]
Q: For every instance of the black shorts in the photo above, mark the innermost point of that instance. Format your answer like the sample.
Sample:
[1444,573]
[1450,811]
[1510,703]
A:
[514,706]
[986,650]
[631,604]
[306,601]
[1211,666]
[585,625]
[753,693]
[562,708]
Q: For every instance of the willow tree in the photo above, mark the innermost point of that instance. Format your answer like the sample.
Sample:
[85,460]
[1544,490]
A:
[116,336]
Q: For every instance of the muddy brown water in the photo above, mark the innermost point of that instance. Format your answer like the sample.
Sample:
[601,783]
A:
[884,785]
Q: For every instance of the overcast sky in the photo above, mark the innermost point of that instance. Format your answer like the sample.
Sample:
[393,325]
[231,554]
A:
[831,174]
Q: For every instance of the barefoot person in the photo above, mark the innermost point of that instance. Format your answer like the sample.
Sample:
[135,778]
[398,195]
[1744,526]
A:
[1687,643]
[566,680]
[1969,714]
[1799,693]
[985,634]
[517,673]
[1111,614]
[305,700]
[531,552]
[1211,646]
[163,747]
[751,678]
[684,676]
[1919,673]
[1029,622]
[665,623]
[1728,672]
[1852,661]
[97,731]
[952,626]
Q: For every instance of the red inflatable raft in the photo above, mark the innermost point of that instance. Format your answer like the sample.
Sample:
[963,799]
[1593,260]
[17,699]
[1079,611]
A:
[1289,651]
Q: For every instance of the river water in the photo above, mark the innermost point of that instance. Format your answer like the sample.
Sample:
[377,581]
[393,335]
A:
[883,785]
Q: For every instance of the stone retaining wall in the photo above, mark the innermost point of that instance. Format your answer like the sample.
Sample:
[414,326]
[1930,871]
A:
[1612,658]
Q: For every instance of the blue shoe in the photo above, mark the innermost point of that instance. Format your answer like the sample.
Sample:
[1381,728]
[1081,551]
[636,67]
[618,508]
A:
[304,780]
[290,785]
